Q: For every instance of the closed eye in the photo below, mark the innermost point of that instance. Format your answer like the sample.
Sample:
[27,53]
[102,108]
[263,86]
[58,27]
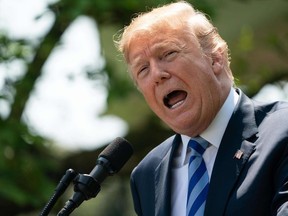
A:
[170,55]
[142,70]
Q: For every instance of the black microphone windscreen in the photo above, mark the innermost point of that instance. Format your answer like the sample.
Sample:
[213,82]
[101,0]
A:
[117,153]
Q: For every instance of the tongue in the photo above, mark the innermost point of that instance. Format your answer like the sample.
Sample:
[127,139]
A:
[175,97]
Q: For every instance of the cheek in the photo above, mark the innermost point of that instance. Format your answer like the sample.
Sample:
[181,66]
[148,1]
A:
[150,99]
[153,102]
[147,93]
[144,89]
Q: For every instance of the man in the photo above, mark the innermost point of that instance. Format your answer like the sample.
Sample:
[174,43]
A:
[180,64]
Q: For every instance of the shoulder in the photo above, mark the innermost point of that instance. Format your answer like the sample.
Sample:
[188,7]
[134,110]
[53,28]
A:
[276,112]
[272,124]
[264,109]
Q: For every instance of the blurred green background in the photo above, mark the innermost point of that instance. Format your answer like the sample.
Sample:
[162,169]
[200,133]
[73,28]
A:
[32,161]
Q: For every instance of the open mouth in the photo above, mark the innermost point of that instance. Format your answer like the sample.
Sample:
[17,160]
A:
[174,99]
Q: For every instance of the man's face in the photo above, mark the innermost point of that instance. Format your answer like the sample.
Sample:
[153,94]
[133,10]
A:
[180,84]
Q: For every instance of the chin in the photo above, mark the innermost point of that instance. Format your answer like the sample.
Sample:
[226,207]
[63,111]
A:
[185,131]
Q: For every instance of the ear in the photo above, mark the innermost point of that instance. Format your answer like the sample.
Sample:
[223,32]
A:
[217,62]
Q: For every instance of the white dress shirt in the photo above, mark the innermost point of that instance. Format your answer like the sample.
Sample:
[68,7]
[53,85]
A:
[213,134]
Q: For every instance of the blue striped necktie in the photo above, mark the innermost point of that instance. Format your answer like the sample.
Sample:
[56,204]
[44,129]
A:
[198,178]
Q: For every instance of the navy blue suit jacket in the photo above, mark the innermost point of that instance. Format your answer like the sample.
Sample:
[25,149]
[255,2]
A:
[254,185]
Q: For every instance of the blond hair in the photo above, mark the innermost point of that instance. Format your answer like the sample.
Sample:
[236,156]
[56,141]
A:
[175,16]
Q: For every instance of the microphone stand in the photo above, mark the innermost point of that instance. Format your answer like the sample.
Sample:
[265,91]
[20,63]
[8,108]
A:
[67,178]
[109,162]
[85,188]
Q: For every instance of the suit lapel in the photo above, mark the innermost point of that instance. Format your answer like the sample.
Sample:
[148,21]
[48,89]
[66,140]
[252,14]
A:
[236,147]
[163,181]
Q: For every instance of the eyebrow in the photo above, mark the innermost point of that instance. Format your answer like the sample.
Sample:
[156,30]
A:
[156,47]
[168,43]
[136,62]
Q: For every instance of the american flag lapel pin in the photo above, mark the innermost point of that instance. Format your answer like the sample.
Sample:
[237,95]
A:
[238,154]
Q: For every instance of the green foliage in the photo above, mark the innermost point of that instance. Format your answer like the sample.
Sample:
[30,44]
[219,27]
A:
[23,162]
[259,52]
[13,49]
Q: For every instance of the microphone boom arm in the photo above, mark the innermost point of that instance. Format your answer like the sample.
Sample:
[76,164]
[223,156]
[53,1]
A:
[86,186]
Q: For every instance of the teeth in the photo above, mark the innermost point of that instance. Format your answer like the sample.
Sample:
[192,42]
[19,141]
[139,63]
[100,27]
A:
[176,105]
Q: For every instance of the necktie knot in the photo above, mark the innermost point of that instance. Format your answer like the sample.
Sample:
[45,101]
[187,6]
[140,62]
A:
[198,146]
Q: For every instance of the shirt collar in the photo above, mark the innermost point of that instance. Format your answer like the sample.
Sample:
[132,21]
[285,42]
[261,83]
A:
[214,133]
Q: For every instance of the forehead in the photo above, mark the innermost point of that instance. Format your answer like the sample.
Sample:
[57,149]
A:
[140,43]
[153,41]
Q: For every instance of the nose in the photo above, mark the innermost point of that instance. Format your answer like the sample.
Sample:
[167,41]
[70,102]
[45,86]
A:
[159,73]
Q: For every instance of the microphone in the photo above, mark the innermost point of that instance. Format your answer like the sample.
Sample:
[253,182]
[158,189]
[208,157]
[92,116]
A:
[109,162]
